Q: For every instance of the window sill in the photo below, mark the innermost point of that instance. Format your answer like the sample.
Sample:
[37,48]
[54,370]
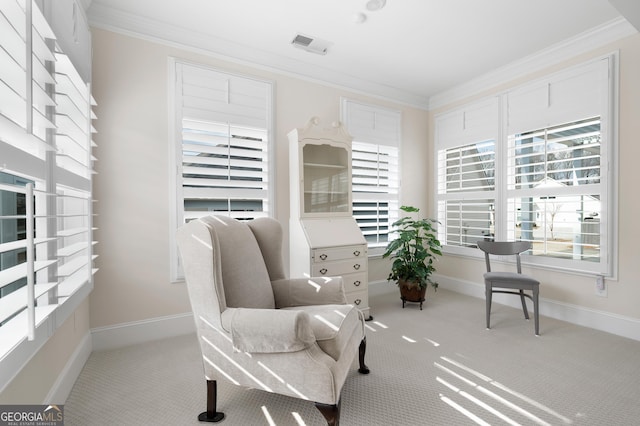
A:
[572,267]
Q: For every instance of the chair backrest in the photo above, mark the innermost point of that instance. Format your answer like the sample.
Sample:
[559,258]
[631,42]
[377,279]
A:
[268,233]
[503,248]
[222,260]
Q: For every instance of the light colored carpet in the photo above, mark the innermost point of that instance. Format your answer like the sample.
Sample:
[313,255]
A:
[438,366]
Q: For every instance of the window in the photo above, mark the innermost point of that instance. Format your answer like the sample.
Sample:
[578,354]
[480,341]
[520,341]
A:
[467,174]
[375,170]
[222,146]
[469,179]
[46,230]
[554,200]
[529,165]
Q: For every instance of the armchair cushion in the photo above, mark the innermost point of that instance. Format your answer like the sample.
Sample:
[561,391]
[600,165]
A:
[333,326]
[268,233]
[308,291]
[244,274]
[268,330]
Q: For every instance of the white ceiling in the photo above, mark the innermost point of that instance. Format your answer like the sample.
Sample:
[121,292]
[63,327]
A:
[408,51]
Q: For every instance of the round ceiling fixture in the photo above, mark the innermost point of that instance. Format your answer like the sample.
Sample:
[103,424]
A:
[359,18]
[373,5]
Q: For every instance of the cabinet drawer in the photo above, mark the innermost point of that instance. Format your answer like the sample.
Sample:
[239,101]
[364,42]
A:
[354,282]
[332,269]
[331,254]
[359,299]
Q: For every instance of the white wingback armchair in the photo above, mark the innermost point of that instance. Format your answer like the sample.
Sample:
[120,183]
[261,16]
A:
[300,334]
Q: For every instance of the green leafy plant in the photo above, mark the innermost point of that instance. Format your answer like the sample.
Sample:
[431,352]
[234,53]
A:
[414,250]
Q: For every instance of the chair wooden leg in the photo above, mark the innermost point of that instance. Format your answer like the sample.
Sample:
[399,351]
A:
[524,305]
[331,413]
[211,415]
[361,352]
[535,310]
[488,291]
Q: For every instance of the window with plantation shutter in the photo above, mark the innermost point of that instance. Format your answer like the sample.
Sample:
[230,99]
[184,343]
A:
[223,145]
[466,155]
[376,136]
[555,196]
[467,203]
[46,225]
[534,165]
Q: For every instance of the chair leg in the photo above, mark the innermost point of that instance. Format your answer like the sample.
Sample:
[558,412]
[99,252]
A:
[361,352]
[488,293]
[331,413]
[211,415]
[535,310]
[524,305]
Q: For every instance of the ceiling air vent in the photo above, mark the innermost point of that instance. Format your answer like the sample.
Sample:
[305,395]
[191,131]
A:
[310,44]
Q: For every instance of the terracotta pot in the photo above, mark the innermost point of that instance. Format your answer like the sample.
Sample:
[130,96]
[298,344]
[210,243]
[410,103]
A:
[410,292]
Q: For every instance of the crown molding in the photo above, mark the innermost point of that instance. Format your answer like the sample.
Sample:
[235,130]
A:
[582,43]
[104,17]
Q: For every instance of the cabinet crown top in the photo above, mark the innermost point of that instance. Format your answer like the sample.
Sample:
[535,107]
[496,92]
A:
[313,130]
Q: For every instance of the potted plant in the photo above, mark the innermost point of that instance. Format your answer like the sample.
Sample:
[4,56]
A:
[413,253]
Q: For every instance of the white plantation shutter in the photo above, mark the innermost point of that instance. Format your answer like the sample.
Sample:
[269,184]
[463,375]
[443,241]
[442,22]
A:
[466,196]
[534,165]
[46,232]
[376,136]
[555,195]
[225,123]
[373,124]
[466,155]
[223,127]
[42,55]
[473,123]
[572,95]
[74,172]
[558,146]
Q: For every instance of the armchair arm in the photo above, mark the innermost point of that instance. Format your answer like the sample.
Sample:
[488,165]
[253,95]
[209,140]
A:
[308,291]
[268,330]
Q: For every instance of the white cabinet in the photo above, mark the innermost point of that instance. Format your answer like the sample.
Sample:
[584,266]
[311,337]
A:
[349,262]
[325,239]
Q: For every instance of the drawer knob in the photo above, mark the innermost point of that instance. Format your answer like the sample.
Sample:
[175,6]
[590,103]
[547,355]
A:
[356,253]
[357,301]
[323,256]
[356,266]
[357,283]
[323,271]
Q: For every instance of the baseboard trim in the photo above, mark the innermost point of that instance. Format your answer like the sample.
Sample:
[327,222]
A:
[112,337]
[599,320]
[131,333]
[61,389]
[377,288]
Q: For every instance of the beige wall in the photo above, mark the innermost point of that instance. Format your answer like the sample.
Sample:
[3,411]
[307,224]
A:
[572,289]
[132,185]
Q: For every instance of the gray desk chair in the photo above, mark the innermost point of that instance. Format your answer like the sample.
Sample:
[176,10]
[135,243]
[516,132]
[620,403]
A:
[509,280]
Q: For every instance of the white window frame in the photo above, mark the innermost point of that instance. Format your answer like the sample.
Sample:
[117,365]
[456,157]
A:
[377,136]
[227,110]
[46,142]
[472,124]
[452,130]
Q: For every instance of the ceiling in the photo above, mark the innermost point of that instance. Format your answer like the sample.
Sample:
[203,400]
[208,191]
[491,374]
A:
[408,51]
